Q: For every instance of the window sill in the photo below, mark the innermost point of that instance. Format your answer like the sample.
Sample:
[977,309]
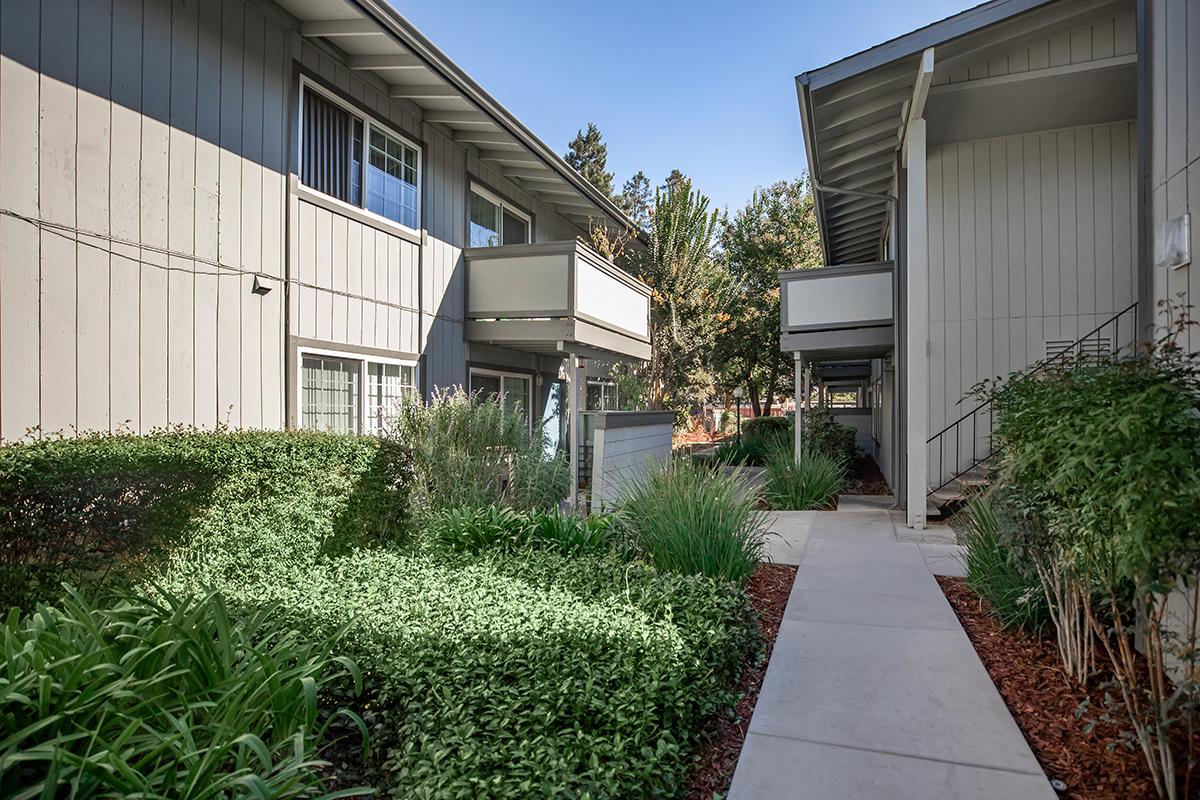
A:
[353,212]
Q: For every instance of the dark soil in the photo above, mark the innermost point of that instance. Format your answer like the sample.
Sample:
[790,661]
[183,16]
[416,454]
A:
[1026,670]
[769,588]
[864,477]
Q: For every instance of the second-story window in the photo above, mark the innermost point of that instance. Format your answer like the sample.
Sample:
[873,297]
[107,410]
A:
[356,160]
[495,222]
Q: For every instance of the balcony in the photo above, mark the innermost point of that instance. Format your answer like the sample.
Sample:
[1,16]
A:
[842,312]
[556,298]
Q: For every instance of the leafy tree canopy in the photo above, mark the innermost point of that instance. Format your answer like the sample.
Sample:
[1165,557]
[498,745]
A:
[777,230]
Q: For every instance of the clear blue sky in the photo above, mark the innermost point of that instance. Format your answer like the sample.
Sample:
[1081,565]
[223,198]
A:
[705,87]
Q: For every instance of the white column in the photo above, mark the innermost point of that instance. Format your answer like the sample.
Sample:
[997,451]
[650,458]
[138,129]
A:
[799,408]
[573,426]
[917,327]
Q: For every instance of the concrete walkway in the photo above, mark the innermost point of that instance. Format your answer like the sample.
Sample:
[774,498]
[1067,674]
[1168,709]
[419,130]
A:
[873,691]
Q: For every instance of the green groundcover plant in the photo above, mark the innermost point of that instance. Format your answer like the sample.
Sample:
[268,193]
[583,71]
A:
[507,651]
[164,697]
[504,674]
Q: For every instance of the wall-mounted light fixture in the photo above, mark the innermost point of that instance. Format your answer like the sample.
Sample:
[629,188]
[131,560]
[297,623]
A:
[262,285]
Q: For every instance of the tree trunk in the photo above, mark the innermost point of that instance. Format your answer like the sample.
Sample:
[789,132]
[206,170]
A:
[755,405]
[771,385]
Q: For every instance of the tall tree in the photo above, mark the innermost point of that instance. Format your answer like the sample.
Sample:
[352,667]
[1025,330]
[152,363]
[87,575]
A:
[674,180]
[777,230]
[689,291]
[588,154]
[635,199]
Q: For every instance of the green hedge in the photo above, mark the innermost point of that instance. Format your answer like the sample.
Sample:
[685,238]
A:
[521,674]
[96,510]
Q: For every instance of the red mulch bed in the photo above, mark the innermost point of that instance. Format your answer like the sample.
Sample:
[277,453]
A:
[864,477]
[1026,671]
[769,588]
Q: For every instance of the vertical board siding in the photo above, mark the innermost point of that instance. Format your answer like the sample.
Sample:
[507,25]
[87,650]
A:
[1174,160]
[1105,37]
[144,159]
[134,145]
[1031,239]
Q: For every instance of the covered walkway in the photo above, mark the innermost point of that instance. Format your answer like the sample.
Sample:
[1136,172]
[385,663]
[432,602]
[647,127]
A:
[873,690]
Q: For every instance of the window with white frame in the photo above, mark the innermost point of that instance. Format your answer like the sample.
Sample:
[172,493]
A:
[515,390]
[601,395]
[493,221]
[357,160]
[347,393]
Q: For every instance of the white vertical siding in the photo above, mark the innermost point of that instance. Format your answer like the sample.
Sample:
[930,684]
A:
[1032,238]
[1174,69]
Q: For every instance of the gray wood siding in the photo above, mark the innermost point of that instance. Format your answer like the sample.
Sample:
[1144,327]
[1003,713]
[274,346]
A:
[143,146]
[1031,238]
[1174,73]
[144,174]
[431,324]
[1114,35]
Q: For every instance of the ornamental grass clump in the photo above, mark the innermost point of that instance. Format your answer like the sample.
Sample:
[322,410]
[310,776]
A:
[469,450]
[811,483]
[166,697]
[998,565]
[694,521]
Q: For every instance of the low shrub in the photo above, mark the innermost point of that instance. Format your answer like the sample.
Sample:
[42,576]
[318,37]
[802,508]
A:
[527,674]
[468,451]
[164,697]
[825,435]
[760,435]
[694,521]
[1105,454]
[473,530]
[813,483]
[96,510]
[571,534]
[998,567]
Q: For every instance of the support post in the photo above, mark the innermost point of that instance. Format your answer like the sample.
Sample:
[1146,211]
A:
[799,432]
[573,427]
[916,325]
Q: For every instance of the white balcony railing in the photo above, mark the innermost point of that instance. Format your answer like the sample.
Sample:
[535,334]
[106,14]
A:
[846,310]
[556,297]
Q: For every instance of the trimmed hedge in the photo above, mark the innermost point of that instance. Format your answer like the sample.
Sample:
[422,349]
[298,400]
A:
[526,674]
[96,510]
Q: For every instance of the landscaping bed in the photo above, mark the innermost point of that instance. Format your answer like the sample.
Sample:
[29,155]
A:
[864,477]
[1027,671]
[769,588]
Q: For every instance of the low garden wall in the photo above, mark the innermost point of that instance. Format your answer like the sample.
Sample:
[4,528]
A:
[625,444]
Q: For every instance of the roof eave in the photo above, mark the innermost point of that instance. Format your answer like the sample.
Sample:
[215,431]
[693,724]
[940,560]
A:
[387,17]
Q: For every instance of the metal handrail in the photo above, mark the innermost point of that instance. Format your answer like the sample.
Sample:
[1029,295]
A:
[972,415]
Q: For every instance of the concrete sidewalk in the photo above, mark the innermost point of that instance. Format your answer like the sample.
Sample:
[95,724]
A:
[873,691]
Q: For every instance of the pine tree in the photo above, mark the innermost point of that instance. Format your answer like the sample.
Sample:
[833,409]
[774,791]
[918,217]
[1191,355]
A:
[635,199]
[588,154]
[673,181]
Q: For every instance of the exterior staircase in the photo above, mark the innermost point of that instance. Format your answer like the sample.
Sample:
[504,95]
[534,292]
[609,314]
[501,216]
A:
[961,453]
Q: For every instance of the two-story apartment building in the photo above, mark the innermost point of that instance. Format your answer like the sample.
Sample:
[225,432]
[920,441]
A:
[271,214]
[1004,185]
